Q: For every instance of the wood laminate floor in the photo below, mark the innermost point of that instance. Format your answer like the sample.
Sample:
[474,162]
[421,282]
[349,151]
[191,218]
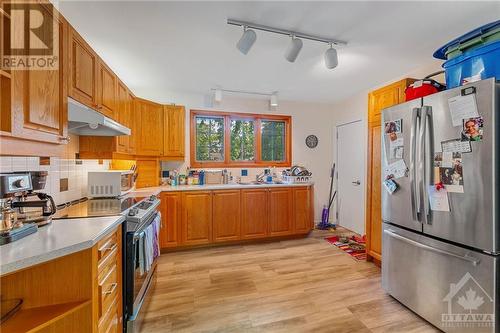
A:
[302,285]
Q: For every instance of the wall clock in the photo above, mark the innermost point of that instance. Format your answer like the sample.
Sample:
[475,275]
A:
[312,141]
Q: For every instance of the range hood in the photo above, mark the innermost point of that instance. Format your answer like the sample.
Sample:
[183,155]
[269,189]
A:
[85,121]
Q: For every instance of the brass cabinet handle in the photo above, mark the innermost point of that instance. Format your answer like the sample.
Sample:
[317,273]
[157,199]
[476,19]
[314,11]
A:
[106,247]
[111,290]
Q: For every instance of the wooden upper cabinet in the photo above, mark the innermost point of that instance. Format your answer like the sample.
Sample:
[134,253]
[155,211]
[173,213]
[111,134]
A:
[39,97]
[123,117]
[386,97]
[132,139]
[170,222]
[106,90]
[254,213]
[148,171]
[83,63]
[226,215]
[196,218]
[174,131]
[303,209]
[150,128]
[280,211]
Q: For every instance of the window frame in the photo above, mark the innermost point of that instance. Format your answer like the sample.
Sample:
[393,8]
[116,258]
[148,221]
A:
[228,116]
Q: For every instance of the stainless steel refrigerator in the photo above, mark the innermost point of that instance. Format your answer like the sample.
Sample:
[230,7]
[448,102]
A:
[444,265]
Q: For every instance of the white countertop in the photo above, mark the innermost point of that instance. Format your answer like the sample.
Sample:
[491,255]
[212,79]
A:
[60,238]
[167,188]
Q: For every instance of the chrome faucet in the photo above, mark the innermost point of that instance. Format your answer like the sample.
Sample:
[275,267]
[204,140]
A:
[261,176]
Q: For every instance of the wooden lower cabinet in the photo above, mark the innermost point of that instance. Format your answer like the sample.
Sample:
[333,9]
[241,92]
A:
[196,219]
[254,213]
[226,218]
[280,211]
[79,293]
[303,204]
[170,227]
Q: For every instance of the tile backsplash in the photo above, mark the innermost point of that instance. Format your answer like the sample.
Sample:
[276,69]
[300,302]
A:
[67,178]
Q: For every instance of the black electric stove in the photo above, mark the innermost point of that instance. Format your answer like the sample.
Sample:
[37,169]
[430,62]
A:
[95,207]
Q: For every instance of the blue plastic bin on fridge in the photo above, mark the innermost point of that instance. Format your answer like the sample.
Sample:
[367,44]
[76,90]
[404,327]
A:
[473,56]
[477,64]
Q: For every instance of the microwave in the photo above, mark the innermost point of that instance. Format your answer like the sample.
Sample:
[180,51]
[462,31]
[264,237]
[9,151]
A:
[111,183]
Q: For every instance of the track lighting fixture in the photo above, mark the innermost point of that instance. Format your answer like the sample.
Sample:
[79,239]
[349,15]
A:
[246,41]
[218,95]
[331,59]
[249,36]
[293,49]
[274,99]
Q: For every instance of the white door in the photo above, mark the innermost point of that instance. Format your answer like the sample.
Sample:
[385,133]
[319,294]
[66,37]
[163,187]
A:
[350,179]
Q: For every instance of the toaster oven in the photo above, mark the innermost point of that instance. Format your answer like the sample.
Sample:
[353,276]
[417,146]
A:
[111,183]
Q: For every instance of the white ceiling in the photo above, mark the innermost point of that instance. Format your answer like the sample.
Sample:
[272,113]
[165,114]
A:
[163,49]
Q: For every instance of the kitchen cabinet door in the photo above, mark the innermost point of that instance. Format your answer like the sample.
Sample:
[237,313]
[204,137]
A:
[83,63]
[150,134]
[254,213]
[39,106]
[280,211]
[374,200]
[170,219]
[106,90]
[303,216]
[174,131]
[123,117]
[226,215]
[148,172]
[133,124]
[196,218]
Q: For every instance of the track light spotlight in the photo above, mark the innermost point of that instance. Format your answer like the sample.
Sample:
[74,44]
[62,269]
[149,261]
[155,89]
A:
[274,99]
[246,41]
[218,95]
[331,59]
[293,49]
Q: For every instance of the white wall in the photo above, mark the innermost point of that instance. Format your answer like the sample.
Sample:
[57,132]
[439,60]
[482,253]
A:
[307,118]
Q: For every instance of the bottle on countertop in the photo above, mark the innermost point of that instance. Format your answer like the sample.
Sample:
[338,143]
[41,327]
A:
[225,177]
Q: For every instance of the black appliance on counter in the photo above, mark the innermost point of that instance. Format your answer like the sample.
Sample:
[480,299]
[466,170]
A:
[23,205]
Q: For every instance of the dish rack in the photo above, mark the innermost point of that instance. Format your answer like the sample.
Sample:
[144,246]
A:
[296,179]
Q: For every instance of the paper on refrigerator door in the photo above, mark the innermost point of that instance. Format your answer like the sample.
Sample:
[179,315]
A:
[396,148]
[438,199]
[456,145]
[462,107]
[396,170]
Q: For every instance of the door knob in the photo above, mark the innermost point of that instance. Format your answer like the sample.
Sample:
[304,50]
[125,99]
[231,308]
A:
[357,182]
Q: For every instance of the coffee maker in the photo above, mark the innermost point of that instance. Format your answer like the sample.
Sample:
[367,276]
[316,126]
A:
[37,210]
[12,186]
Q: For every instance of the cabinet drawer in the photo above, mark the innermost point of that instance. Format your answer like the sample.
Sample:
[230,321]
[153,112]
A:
[110,320]
[109,288]
[106,247]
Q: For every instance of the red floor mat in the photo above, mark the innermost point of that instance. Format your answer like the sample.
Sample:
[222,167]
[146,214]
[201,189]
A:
[358,255]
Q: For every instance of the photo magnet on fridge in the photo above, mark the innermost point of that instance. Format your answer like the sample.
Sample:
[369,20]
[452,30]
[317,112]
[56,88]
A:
[473,129]
[393,126]
[449,171]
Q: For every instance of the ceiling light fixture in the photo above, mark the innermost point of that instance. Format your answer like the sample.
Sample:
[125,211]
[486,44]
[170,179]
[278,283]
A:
[331,58]
[218,95]
[247,40]
[293,49]
[274,99]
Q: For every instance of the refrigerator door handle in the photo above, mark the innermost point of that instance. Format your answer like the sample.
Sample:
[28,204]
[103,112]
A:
[427,161]
[472,260]
[422,189]
[415,202]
